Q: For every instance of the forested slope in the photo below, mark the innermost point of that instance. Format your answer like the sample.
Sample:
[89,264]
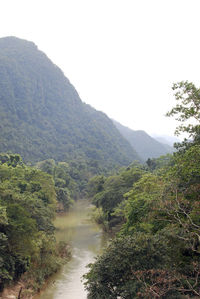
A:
[145,145]
[43,117]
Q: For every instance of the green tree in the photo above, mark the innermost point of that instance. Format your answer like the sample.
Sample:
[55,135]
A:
[27,209]
[108,193]
[117,272]
[187,111]
[162,212]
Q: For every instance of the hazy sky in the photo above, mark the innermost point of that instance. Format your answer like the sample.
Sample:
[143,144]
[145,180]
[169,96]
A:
[122,56]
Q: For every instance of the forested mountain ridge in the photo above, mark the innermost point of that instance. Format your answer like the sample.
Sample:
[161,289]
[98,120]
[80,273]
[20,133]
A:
[43,117]
[145,145]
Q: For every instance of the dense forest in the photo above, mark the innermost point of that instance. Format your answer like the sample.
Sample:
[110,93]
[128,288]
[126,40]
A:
[156,253]
[27,210]
[42,116]
[55,149]
[30,196]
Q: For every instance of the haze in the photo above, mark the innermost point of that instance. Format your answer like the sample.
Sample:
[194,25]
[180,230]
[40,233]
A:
[121,56]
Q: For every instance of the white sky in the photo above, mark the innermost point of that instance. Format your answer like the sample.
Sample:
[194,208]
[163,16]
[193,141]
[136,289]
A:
[122,56]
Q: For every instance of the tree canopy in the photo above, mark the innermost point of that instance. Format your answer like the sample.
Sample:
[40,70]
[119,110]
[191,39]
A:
[156,254]
[27,210]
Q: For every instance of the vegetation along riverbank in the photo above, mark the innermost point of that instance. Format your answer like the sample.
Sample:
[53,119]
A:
[56,149]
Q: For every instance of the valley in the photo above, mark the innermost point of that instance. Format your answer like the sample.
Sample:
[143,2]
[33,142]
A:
[83,197]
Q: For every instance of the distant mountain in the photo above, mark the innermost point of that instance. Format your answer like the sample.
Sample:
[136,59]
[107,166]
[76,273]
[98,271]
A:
[42,116]
[145,145]
[170,140]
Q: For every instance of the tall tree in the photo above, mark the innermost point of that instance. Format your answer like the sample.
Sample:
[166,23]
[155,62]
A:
[187,112]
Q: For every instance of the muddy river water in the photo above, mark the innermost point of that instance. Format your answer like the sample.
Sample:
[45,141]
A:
[87,240]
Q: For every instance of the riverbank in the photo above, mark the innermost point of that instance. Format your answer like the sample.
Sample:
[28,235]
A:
[30,284]
[13,292]
[26,288]
[86,240]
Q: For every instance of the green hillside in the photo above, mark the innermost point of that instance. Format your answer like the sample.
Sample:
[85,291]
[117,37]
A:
[42,116]
[145,145]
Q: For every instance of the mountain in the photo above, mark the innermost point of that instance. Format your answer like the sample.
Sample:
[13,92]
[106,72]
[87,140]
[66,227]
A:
[42,116]
[170,140]
[145,145]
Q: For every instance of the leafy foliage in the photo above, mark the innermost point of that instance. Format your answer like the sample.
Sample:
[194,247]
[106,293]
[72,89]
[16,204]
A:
[157,252]
[187,112]
[70,179]
[108,193]
[114,274]
[27,208]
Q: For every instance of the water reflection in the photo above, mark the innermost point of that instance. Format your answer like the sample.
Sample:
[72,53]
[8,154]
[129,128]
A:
[87,240]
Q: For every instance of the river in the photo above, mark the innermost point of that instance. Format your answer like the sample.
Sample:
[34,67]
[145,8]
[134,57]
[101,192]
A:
[87,240]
